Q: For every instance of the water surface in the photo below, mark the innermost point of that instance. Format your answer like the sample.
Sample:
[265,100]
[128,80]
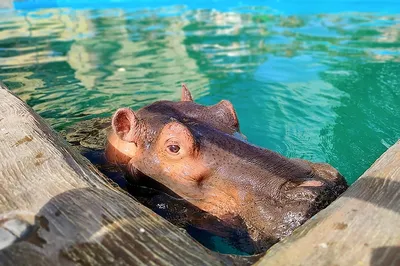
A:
[319,82]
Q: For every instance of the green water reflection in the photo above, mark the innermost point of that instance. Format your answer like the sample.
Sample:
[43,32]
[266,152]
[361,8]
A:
[320,87]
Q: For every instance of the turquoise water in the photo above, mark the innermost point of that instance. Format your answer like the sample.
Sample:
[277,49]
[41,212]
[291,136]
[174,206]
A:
[320,84]
[310,80]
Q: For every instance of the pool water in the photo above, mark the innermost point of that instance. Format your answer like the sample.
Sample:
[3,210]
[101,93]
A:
[319,80]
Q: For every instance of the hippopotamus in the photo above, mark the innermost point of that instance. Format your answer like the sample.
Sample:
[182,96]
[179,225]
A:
[197,152]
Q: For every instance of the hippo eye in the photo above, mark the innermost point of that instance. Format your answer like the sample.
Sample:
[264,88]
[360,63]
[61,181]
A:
[173,148]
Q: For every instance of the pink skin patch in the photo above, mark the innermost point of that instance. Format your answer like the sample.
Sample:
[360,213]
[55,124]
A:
[311,183]
[118,150]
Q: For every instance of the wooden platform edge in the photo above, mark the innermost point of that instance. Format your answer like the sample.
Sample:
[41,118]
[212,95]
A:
[362,227]
[57,209]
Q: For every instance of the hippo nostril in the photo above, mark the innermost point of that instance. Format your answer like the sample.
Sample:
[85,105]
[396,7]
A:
[312,183]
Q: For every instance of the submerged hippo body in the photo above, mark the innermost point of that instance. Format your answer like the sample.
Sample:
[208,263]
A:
[192,150]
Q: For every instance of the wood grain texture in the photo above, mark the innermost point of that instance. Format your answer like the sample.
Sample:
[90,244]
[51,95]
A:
[69,213]
[362,227]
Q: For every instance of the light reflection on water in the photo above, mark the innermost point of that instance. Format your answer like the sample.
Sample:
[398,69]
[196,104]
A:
[324,87]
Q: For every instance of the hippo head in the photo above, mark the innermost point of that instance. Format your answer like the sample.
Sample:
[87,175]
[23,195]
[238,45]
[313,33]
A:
[132,130]
[192,150]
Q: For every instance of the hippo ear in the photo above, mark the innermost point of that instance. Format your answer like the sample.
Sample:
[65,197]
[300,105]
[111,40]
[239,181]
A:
[186,95]
[226,113]
[125,124]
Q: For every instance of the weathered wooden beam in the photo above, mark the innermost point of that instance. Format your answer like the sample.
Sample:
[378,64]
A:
[57,209]
[362,227]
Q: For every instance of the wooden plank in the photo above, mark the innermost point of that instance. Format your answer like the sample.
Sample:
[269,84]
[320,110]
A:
[362,227]
[57,209]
